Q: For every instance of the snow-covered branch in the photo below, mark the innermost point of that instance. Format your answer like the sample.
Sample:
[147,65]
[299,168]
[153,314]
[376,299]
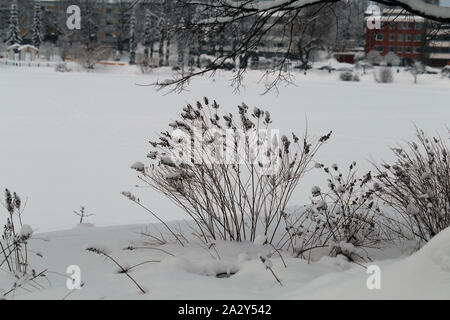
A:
[419,7]
[250,23]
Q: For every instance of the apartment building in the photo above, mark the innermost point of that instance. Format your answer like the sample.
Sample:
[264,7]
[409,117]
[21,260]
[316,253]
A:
[409,37]
[397,32]
[437,46]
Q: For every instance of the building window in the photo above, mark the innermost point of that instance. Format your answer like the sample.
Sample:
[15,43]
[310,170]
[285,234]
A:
[417,38]
[418,26]
[399,49]
[416,49]
[392,25]
[379,48]
[408,49]
[392,37]
[379,37]
[400,37]
[408,26]
[400,26]
[408,38]
[391,48]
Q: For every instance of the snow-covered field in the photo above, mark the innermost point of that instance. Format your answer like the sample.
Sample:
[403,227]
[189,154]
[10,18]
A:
[69,140]
[191,272]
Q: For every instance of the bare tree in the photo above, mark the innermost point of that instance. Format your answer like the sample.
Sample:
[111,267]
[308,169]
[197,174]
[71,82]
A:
[150,32]
[417,68]
[89,54]
[82,214]
[132,41]
[121,28]
[259,19]
[311,29]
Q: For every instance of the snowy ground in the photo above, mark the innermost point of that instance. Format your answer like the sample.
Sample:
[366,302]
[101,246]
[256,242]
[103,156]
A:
[69,140]
[190,273]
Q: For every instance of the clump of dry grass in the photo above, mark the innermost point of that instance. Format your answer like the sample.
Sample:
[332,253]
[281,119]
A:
[228,200]
[417,186]
[14,251]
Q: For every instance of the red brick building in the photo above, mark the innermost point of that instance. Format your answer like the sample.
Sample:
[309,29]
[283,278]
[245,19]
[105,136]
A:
[396,32]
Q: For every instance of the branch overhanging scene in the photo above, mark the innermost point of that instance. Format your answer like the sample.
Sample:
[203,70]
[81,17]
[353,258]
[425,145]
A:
[225,150]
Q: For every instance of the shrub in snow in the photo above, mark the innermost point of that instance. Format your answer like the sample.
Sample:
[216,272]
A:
[62,67]
[384,75]
[416,69]
[417,186]
[89,54]
[446,71]
[374,57]
[14,253]
[145,65]
[391,59]
[346,212]
[229,176]
[13,241]
[348,76]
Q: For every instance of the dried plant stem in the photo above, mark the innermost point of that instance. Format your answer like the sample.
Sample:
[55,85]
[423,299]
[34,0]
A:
[279,253]
[123,270]
[150,248]
[160,220]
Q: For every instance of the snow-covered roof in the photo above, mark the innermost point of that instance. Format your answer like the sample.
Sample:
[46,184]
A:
[28,46]
[21,47]
[15,45]
[345,53]
[440,56]
[444,44]
[394,18]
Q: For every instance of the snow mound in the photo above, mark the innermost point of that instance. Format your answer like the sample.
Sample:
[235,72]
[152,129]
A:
[423,275]
[437,251]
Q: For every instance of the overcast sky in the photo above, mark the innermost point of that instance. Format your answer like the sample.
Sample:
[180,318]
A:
[445,3]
